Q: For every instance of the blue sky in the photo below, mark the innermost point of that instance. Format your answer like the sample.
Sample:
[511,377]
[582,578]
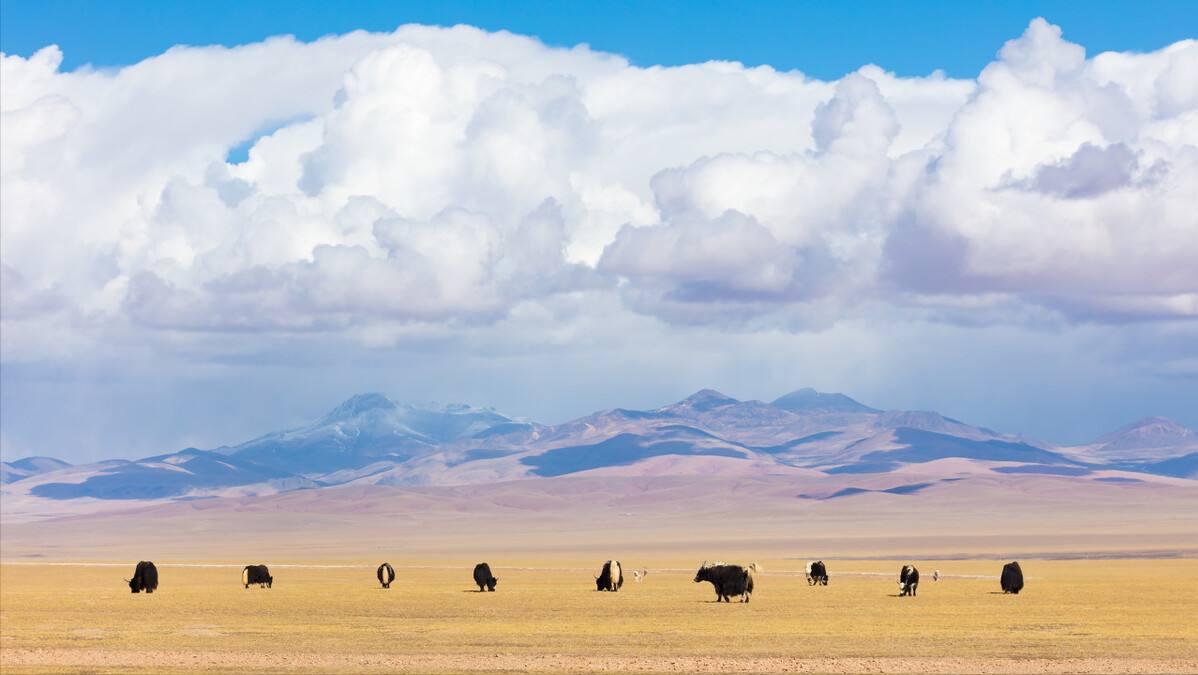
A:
[822,39]
[214,243]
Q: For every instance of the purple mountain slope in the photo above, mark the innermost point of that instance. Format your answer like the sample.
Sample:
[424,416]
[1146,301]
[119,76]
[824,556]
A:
[370,438]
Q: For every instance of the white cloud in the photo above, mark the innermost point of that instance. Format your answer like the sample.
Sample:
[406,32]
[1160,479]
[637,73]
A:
[1052,186]
[450,176]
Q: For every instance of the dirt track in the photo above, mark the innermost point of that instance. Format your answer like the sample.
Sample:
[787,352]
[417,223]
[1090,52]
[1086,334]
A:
[89,660]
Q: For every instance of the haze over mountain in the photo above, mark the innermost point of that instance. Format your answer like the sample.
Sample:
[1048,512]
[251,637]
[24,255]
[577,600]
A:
[366,428]
[1152,438]
[371,439]
[808,399]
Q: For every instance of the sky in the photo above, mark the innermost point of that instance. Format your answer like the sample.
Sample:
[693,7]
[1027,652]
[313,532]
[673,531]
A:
[824,40]
[208,233]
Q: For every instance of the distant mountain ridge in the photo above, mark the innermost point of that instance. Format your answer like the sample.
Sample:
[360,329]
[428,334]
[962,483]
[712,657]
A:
[1145,438]
[29,466]
[365,429]
[173,475]
[372,439]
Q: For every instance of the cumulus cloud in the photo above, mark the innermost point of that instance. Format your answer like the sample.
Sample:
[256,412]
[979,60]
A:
[451,176]
[1104,225]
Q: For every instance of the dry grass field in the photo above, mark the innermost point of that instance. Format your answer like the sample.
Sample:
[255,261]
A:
[1074,616]
[1130,607]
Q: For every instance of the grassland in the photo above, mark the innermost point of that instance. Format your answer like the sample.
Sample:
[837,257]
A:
[1074,616]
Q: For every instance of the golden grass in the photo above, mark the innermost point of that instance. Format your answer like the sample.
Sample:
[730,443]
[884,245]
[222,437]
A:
[80,618]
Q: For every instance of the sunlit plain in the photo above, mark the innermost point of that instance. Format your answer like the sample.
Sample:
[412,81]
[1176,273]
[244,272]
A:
[1116,615]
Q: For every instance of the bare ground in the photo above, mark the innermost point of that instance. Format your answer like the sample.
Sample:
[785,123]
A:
[125,661]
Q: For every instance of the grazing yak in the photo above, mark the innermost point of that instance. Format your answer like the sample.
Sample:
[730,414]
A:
[728,580]
[908,580]
[1012,578]
[386,574]
[256,574]
[817,573]
[482,577]
[145,578]
[611,577]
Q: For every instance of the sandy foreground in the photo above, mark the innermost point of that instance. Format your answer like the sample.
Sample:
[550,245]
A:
[97,661]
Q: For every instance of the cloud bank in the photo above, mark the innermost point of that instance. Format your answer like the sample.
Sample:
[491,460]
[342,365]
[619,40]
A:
[448,175]
[430,181]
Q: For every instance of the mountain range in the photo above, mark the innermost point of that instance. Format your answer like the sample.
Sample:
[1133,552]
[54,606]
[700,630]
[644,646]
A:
[372,440]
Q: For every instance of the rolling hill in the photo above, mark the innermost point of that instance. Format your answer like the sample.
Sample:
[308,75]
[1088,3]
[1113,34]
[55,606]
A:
[29,466]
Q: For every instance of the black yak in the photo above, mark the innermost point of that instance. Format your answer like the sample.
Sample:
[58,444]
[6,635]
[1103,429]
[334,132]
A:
[817,573]
[386,574]
[145,578]
[728,580]
[1012,578]
[908,580]
[256,574]
[483,577]
[611,577]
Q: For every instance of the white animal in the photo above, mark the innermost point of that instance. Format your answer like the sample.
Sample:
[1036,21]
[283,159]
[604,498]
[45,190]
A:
[935,575]
[640,574]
